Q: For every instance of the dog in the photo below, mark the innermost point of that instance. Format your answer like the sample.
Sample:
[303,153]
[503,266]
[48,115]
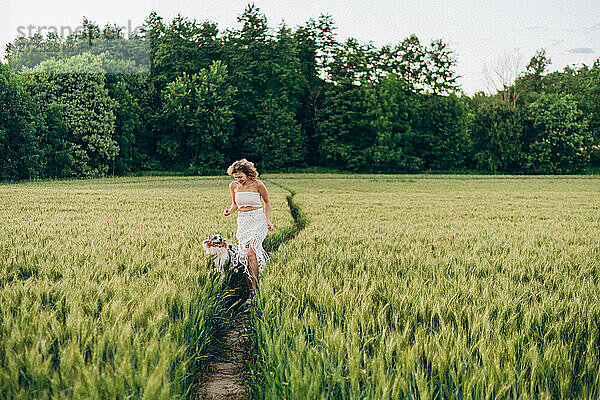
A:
[226,254]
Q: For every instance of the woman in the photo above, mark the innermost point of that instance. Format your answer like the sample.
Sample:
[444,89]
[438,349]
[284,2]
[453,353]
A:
[253,222]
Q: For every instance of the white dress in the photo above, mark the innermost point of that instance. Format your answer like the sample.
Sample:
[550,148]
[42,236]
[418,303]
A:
[252,230]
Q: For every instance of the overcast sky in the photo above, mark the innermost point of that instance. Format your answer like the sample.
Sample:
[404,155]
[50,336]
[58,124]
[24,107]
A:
[479,31]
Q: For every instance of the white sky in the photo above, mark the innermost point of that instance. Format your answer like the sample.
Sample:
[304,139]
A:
[479,31]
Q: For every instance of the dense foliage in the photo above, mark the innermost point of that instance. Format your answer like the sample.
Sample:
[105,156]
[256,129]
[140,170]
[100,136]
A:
[186,96]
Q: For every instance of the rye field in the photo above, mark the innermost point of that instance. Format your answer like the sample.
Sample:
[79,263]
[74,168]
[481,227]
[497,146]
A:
[105,291]
[398,286]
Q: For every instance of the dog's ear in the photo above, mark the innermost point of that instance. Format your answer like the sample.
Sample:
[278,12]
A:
[204,245]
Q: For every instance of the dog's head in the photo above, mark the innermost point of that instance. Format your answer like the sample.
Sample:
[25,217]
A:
[214,245]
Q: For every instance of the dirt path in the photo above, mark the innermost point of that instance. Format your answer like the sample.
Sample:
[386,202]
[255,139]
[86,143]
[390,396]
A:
[225,376]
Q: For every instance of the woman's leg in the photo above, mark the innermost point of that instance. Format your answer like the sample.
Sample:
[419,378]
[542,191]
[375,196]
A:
[253,267]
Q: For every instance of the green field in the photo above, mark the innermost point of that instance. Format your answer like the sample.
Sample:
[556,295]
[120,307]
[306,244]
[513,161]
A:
[434,287]
[105,290]
[398,287]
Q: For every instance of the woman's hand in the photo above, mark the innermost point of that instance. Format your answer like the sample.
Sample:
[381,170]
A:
[227,212]
[269,225]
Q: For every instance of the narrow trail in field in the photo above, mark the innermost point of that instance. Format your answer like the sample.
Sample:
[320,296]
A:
[226,376]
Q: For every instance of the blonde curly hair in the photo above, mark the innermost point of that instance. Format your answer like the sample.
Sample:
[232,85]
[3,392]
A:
[244,166]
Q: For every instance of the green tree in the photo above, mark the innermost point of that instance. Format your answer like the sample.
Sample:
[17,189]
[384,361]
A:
[441,77]
[440,126]
[290,82]
[55,141]
[248,53]
[184,45]
[345,126]
[424,68]
[20,155]
[28,51]
[533,82]
[590,105]
[392,149]
[412,63]
[279,142]
[316,44]
[131,124]
[561,140]
[497,143]
[78,83]
[353,63]
[263,66]
[198,109]
[583,84]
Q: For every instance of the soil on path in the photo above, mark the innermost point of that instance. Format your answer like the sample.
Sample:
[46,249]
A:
[225,377]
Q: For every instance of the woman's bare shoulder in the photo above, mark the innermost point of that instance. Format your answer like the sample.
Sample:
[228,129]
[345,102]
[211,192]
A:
[259,184]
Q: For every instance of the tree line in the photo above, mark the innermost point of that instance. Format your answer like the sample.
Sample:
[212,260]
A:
[284,98]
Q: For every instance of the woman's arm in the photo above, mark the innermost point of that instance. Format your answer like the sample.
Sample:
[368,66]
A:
[265,195]
[231,210]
